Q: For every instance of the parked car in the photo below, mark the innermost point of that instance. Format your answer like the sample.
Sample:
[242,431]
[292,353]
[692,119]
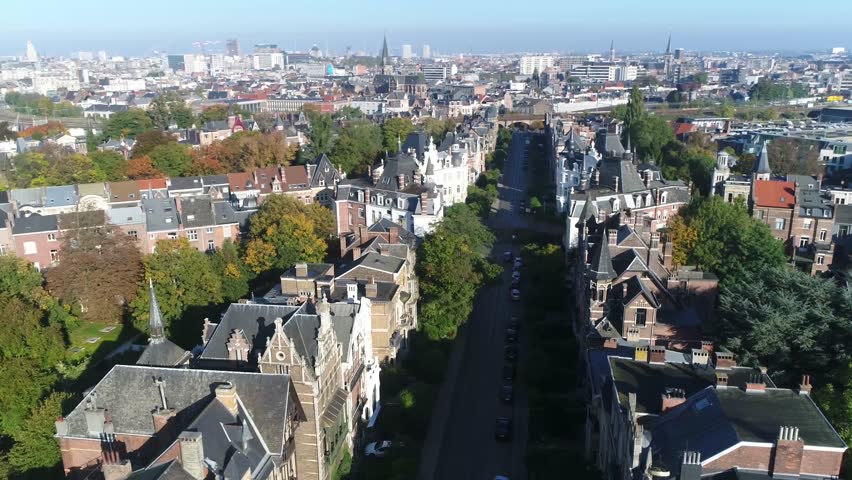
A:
[508,372]
[501,477]
[511,354]
[515,294]
[507,393]
[507,257]
[503,430]
[378,449]
[516,281]
[518,262]
[516,275]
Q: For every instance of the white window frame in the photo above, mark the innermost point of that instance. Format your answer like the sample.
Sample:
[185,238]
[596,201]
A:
[192,234]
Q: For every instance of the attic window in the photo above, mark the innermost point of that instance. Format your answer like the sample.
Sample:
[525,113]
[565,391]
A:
[130,195]
[190,217]
[168,220]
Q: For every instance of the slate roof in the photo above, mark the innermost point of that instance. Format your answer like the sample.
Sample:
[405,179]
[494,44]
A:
[601,266]
[762,164]
[265,397]
[401,164]
[160,214]
[224,214]
[186,183]
[324,174]
[170,470]
[628,177]
[35,223]
[196,211]
[419,141]
[256,321]
[163,354]
[375,261]
[133,215]
[843,214]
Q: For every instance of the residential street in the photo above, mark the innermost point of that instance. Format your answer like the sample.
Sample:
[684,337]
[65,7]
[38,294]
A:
[461,444]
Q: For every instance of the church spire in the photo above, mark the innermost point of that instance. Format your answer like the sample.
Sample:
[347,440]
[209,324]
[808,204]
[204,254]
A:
[156,327]
[761,168]
[612,50]
[669,45]
[385,55]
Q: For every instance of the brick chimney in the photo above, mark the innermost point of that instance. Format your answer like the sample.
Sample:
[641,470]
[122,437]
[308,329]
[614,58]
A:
[805,387]
[690,467]
[424,202]
[400,181]
[192,452]
[371,290]
[227,395]
[611,343]
[721,380]
[725,361]
[672,397]
[787,457]
[611,236]
[640,354]
[301,270]
[755,383]
[114,467]
[707,345]
[658,354]
[393,235]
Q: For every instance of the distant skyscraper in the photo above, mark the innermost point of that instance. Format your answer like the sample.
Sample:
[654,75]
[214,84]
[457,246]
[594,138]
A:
[427,51]
[31,55]
[85,56]
[233,47]
[406,52]
[102,56]
[678,54]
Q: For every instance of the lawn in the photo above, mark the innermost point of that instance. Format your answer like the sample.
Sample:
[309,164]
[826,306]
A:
[93,341]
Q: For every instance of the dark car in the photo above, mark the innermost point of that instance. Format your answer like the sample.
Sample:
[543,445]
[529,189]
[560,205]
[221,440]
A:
[511,335]
[511,354]
[508,372]
[503,430]
[507,393]
[516,281]
[507,257]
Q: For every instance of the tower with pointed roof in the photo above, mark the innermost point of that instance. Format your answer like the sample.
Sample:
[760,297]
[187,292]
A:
[761,167]
[156,327]
[668,57]
[385,61]
[160,352]
[601,274]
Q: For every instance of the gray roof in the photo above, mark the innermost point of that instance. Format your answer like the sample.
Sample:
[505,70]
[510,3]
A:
[324,173]
[843,214]
[762,165]
[35,223]
[224,213]
[255,320]
[186,183]
[28,196]
[126,215]
[161,214]
[170,470]
[196,211]
[401,164]
[601,267]
[628,177]
[419,141]
[265,397]
[377,262]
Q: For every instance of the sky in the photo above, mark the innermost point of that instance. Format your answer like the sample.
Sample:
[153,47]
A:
[59,27]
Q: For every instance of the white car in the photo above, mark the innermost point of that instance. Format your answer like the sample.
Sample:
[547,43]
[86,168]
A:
[516,275]
[515,294]
[518,262]
[378,449]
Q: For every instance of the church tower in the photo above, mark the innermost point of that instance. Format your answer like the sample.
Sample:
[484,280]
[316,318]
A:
[385,62]
[761,168]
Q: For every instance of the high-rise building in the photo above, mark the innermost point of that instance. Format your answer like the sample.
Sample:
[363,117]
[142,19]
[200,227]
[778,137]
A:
[406,52]
[232,46]
[102,56]
[531,63]
[678,54]
[85,56]
[436,72]
[427,52]
[32,54]
[267,57]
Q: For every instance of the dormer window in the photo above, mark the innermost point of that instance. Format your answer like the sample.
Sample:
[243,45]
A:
[190,217]
[664,196]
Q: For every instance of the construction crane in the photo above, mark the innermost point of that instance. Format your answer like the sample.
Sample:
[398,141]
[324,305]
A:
[203,44]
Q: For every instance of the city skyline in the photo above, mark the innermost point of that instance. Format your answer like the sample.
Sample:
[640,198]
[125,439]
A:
[730,26]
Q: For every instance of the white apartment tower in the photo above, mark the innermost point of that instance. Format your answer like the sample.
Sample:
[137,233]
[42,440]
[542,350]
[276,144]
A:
[531,63]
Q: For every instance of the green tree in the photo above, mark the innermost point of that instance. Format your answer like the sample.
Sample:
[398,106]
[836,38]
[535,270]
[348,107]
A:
[726,109]
[111,165]
[148,140]
[235,274]
[91,141]
[214,113]
[700,77]
[173,159]
[394,131]
[357,147]
[183,278]
[35,453]
[789,321]
[650,135]
[727,241]
[22,383]
[321,132]
[634,112]
[170,107]
[793,156]
[127,124]
[6,133]
[283,232]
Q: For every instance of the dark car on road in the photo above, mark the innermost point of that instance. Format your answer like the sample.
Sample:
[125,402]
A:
[511,354]
[507,394]
[508,373]
[507,257]
[503,430]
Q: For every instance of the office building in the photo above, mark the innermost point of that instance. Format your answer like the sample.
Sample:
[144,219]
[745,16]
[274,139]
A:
[32,54]
[427,52]
[532,63]
[232,46]
[267,57]
[407,54]
[435,73]
[85,56]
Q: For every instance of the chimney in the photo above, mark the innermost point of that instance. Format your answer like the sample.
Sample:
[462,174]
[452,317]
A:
[672,397]
[725,361]
[162,419]
[367,193]
[352,292]
[755,383]
[400,181]
[417,178]
[610,343]
[787,455]
[371,290]
[375,175]
[640,354]
[611,236]
[393,235]
[615,183]
[95,417]
[301,270]
[647,178]
[658,354]
[690,468]
[707,345]
[192,453]
[61,426]
[227,395]
[114,467]
[721,380]
[424,202]
[667,253]
[700,357]
[805,387]
[597,177]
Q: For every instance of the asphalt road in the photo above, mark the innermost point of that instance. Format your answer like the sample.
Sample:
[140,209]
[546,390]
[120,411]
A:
[461,443]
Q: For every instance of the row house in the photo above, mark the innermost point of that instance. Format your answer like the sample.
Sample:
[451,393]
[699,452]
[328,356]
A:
[798,213]
[619,185]
[324,348]
[306,183]
[658,413]
[205,223]
[394,190]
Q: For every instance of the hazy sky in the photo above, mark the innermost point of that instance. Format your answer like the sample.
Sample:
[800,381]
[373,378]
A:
[59,27]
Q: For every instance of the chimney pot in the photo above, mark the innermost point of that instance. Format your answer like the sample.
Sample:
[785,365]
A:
[805,387]
[672,397]
[192,453]
[301,270]
[227,394]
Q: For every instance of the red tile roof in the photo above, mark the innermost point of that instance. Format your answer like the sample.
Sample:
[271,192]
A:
[153,184]
[683,128]
[238,181]
[774,193]
[296,175]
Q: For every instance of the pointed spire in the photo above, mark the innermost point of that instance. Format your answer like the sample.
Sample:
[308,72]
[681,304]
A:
[398,143]
[385,61]
[156,327]
[762,166]
[601,267]
[669,45]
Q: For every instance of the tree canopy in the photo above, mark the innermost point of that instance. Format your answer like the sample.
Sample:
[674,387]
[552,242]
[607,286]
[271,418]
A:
[394,131]
[357,147]
[129,123]
[169,108]
[722,238]
[173,159]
